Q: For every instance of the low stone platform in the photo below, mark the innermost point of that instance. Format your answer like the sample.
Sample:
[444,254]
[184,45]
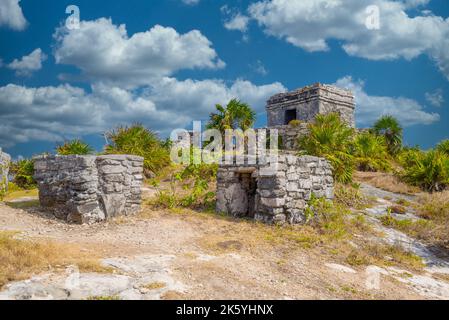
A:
[89,189]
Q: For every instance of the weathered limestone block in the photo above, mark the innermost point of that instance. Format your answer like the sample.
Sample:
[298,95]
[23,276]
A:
[305,103]
[5,160]
[89,189]
[276,198]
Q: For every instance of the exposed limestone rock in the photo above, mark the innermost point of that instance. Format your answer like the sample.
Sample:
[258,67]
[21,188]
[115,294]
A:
[5,160]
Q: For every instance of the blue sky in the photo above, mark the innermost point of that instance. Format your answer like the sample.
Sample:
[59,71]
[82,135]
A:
[143,61]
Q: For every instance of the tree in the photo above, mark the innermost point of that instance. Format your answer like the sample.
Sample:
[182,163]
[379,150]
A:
[330,138]
[74,147]
[236,115]
[389,127]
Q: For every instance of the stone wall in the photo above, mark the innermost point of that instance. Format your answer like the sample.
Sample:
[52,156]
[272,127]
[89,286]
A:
[310,101]
[89,189]
[274,197]
[289,135]
[5,160]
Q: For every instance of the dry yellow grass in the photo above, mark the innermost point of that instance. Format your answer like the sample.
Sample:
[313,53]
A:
[19,259]
[385,181]
[155,285]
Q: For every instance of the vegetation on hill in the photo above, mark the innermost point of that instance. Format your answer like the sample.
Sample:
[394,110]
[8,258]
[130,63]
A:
[389,127]
[140,141]
[74,147]
[236,115]
[23,172]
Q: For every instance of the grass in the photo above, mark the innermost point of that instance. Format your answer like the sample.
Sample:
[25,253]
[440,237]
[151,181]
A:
[385,181]
[20,259]
[155,285]
[351,196]
[17,194]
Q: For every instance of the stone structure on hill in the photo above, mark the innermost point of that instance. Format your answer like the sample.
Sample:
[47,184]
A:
[276,195]
[281,195]
[89,189]
[5,160]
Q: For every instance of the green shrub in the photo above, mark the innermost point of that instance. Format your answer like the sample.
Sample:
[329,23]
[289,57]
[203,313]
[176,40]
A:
[443,147]
[74,147]
[295,123]
[430,171]
[329,137]
[391,130]
[23,172]
[140,141]
[371,153]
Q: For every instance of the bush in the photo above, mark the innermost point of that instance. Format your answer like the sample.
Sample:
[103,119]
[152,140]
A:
[430,171]
[371,153]
[74,147]
[443,147]
[140,141]
[23,172]
[329,137]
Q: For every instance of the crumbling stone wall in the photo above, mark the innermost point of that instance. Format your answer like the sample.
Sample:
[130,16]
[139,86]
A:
[289,135]
[89,189]
[310,101]
[5,160]
[274,196]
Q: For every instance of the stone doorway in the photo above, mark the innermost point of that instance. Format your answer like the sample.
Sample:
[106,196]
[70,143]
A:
[249,186]
[290,115]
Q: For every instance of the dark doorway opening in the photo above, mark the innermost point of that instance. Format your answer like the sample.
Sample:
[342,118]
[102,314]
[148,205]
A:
[249,186]
[290,115]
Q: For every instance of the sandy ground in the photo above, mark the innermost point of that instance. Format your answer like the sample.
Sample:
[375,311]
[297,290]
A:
[199,256]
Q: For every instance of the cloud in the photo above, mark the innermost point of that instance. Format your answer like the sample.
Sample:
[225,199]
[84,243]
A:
[369,108]
[55,113]
[259,68]
[237,22]
[28,64]
[311,24]
[11,15]
[104,52]
[435,98]
[191,2]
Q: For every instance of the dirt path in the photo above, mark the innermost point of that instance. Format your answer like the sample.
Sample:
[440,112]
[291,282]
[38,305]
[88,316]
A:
[193,256]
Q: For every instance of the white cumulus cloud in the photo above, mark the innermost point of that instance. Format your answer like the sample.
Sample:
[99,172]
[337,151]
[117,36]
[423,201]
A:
[54,113]
[11,15]
[311,24]
[370,107]
[28,64]
[435,98]
[105,52]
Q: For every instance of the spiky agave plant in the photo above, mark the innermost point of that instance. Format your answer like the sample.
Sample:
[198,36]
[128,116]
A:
[371,153]
[140,141]
[389,127]
[429,171]
[329,137]
[443,147]
[74,147]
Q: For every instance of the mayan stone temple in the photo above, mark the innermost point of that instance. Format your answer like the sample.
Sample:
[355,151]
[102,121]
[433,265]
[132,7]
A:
[279,193]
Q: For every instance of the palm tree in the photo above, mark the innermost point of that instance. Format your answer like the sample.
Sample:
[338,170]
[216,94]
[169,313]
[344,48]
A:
[74,147]
[443,147]
[389,127]
[236,115]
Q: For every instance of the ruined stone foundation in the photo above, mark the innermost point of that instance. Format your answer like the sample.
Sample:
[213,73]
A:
[274,196]
[89,189]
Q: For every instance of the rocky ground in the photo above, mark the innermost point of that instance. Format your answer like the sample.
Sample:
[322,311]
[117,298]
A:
[169,255]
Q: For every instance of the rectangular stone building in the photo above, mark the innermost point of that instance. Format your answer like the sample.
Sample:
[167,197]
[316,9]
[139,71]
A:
[304,104]
[276,195]
[88,189]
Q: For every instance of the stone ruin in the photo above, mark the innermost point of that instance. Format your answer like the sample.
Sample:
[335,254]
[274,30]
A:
[89,189]
[304,105]
[281,195]
[276,194]
[5,160]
